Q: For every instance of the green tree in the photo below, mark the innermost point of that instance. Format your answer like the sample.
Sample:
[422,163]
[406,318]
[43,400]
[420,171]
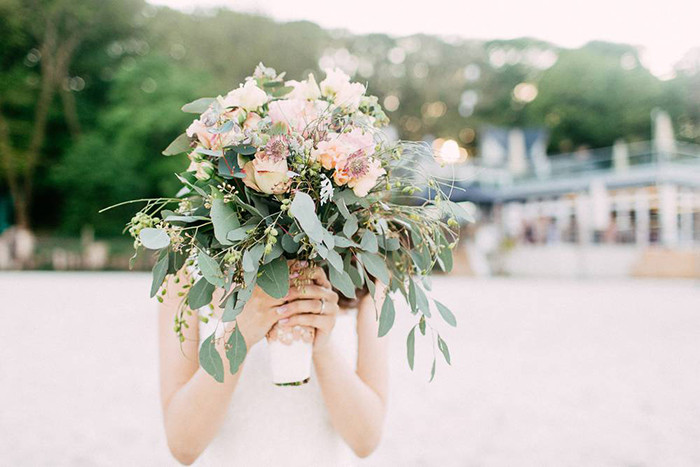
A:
[52,31]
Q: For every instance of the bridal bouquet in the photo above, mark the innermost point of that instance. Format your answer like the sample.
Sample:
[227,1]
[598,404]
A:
[298,170]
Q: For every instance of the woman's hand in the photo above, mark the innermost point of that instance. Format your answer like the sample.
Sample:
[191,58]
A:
[315,306]
[259,314]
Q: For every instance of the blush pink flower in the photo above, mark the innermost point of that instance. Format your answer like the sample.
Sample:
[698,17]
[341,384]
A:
[359,172]
[296,114]
[337,147]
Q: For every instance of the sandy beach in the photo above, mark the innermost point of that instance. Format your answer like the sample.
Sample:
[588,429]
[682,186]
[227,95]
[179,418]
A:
[544,373]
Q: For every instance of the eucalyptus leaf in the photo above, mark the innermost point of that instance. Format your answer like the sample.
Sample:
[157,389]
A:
[251,257]
[411,347]
[334,260]
[160,270]
[224,218]
[231,311]
[288,244]
[458,211]
[432,371]
[210,269]
[350,226]
[178,146]
[304,211]
[422,302]
[442,345]
[342,281]
[386,318]
[274,278]
[210,360]
[275,253]
[375,265]
[244,149]
[369,242]
[198,106]
[200,294]
[446,314]
[154,239]
[236,350]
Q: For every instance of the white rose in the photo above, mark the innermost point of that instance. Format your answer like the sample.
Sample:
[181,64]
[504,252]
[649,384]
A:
[349,96]
[336,79]
[248,97]
[304,90]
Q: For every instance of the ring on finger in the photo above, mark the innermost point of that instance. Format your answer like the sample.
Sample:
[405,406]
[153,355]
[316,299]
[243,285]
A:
[323,305]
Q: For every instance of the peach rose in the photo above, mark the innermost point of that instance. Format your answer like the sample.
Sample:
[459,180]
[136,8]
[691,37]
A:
[269,172]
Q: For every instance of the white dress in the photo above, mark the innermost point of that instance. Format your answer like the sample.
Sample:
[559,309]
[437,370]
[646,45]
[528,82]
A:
[268,425]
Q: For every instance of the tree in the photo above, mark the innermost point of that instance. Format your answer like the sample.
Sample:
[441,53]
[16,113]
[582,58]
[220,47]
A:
[56,29]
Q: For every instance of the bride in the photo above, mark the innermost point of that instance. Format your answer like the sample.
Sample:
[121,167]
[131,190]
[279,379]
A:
[247,420]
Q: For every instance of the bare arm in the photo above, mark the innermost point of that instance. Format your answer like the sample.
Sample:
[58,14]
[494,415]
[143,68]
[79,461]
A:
[193,402]
[356,400]
[191,399]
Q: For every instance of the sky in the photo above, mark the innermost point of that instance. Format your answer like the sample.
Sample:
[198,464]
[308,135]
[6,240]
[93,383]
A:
[664,31]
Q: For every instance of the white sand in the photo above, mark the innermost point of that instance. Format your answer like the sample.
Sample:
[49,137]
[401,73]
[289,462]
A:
[545,373]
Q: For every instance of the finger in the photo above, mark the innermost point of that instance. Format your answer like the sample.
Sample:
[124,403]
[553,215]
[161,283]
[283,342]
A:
[322,322]
[299,306]
[318,275]
[309,292]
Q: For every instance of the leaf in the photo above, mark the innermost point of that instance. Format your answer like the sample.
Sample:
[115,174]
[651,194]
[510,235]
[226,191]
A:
[200,294]
[275,253]
[369,242]
[231,311]
[342,242]
[178,146]
[421,325]
[251,257]
[446,313]
[412,296]
[342,281]
[227,166]
[375,265]
[154,239]
[210,269]
[304,210]
[411,347]
[432,371]
[160,270]
[442,345]
[281,91]
[236,235]
[342,208]
[288,244]
[350,226]
[445,255]
[274,278]
[198,106]
[244,149]
[386,318]
[236,351]
[210,360]
[458,211]
[422,302]
[185,219]
[335,260]
[224,218]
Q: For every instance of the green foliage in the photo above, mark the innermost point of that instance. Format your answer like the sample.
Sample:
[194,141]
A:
[210,360]
[274,278]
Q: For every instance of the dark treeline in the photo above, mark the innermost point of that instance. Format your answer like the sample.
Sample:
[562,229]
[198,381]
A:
[90,92]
